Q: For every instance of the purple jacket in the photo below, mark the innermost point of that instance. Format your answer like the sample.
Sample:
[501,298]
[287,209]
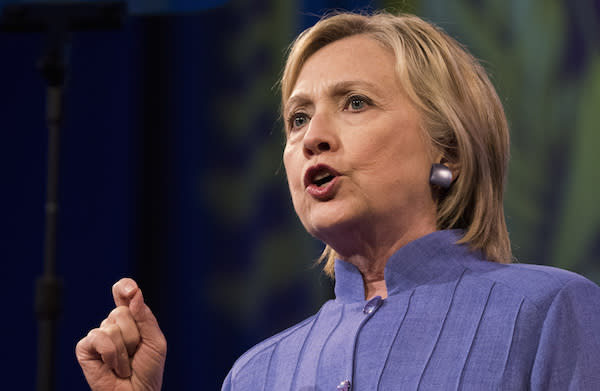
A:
[452,321]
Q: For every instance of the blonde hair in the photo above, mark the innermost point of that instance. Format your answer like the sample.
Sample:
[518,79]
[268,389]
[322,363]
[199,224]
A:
[460,110]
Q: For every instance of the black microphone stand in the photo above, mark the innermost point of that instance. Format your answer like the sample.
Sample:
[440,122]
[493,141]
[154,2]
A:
[57,20]
[48,293]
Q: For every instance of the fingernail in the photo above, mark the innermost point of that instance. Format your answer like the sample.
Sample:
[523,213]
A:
[129,287]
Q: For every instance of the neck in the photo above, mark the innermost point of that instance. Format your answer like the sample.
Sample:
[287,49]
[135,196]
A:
[372,274]
[371,260]
[375,288]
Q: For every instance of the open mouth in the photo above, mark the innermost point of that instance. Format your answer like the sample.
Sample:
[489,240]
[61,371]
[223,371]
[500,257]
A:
[322,179]
[319,176]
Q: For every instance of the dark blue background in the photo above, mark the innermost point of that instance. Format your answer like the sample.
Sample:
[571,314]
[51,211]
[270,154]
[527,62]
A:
[139,136]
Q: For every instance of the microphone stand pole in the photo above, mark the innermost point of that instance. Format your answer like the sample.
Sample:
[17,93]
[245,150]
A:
[57,19]
[48,297]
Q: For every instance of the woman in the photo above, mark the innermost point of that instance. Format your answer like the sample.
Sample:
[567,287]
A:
[396,151]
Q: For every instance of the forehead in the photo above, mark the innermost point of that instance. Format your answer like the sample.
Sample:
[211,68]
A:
[356,58]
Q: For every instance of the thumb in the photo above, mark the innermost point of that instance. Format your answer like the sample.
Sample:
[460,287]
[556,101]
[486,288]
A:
[148,362]
[127,293]
[145,319]
[150,334]
[123,291]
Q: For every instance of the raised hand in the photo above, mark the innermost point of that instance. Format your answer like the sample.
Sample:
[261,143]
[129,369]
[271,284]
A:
[128,350]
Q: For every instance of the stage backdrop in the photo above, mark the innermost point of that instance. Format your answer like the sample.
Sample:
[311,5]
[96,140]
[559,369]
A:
[172,171]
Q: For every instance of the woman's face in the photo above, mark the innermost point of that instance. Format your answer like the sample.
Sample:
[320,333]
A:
[356,159]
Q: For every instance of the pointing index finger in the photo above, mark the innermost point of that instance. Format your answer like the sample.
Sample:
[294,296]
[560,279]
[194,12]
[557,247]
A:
[123,291]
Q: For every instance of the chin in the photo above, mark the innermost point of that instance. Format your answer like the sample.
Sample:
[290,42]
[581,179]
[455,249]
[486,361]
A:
[330,223]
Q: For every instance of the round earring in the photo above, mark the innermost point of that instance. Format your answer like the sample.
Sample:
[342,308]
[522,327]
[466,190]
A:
[440,175]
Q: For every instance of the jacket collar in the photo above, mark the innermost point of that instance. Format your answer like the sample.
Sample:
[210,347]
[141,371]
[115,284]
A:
[416,263]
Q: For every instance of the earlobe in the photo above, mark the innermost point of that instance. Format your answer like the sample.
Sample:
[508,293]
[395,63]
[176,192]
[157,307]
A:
[440,175]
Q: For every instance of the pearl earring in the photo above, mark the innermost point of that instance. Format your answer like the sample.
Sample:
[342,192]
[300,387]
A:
[440,175]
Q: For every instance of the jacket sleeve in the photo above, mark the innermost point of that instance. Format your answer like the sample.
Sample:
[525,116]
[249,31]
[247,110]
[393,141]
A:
[568,353]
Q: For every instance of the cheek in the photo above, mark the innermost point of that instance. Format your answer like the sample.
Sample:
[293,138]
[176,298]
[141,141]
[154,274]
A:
[374,154]
[391,164]
[295,190]
[292,169]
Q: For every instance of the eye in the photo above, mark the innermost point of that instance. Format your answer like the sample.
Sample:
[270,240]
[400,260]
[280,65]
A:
[297,120]
[357,103]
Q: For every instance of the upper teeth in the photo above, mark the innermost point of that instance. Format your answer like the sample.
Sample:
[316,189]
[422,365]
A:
[318,177]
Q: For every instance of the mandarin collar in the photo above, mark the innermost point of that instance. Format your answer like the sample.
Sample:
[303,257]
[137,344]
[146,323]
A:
[414,264]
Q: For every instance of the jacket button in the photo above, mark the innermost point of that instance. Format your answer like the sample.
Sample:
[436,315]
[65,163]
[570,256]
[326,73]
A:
[372,305]
[344,386]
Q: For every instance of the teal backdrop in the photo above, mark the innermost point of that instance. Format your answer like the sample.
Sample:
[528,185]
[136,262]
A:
[544,59]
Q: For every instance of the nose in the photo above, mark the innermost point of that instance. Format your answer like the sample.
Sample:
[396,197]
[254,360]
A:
[320,136]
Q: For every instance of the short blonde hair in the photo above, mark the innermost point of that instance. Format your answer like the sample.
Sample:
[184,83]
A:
[460,109]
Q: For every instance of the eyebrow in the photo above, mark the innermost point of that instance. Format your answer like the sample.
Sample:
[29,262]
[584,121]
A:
[344,87]
[337,89]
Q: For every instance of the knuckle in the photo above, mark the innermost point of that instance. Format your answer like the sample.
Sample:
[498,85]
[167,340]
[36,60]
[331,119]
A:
[106,322]
[79,348]
[111,330]
[161,343]
[118,312]
[132,339]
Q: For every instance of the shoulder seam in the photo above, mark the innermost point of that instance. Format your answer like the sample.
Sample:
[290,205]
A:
[561,284]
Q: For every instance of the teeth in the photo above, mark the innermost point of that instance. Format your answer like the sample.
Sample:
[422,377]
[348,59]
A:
[321,180]
[320,176]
